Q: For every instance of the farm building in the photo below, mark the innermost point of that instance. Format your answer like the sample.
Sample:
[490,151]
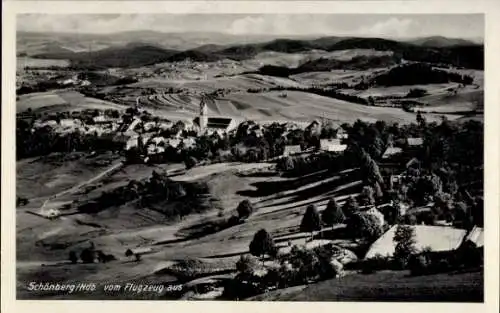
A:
[437,238]
[332,145]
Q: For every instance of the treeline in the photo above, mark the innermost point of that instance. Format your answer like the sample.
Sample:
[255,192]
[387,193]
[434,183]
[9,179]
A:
[324,65]
[41,86]
[331,93]
[419,74]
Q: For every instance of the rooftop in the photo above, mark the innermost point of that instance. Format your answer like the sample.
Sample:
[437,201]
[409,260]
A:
[332,145]
[390,151]
[437,238]
[292,149]
[415,141]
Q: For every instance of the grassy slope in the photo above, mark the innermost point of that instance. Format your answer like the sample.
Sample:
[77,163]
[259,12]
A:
[57,101]
[278,211]
[389,286]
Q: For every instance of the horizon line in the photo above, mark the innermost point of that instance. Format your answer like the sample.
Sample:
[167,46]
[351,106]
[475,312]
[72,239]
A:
[251,34]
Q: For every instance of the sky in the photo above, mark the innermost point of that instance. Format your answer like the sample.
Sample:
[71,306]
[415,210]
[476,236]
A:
[394,25]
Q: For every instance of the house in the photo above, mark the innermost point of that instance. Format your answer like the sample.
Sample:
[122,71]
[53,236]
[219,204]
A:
[332,145]
[188,143]
[437,238]
[292,149]
[414,142]
[475,237]
[413,163]
[314,127]
[103,120]
[149,126]
[135,125]
[131,143]
[174,143]
[391,151]
[341,134]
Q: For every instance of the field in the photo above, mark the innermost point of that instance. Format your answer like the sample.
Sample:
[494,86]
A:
[23,62]
[280,203]
[57,101]
[388,286]
[279,106]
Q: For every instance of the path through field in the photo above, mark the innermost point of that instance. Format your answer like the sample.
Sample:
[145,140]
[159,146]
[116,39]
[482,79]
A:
[108,171]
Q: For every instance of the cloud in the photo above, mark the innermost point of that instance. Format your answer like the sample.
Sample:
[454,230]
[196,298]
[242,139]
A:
[275,24]
[467,25]
[83,23]
[392,27]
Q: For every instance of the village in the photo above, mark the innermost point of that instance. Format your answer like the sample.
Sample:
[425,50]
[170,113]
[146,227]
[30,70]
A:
[436,227]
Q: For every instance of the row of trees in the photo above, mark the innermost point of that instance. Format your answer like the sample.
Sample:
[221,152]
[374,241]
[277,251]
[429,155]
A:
[173,199]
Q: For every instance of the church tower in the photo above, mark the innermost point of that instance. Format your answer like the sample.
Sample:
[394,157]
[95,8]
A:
[203,114]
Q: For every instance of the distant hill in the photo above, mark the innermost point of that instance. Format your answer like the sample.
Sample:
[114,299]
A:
[469,56]
[440,42]
[172,41]
[136,55]
[128,56]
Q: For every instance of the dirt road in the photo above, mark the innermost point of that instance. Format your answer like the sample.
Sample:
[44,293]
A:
[97,177]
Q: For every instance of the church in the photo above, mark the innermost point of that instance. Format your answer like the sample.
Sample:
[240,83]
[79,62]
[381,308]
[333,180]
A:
[211,124]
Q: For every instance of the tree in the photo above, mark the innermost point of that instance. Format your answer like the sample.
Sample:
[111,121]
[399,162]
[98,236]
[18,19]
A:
[364,225]
[88,255]
[246,264]
[129,253]
[311,220]
[367,196]
[332,214]
[410,219]
[286,164]
[478,212]
[350,206]
[190,162]
[404,238]
[263,243]
[72,257]
[245,209]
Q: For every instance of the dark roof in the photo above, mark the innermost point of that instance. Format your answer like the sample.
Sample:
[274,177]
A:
[218,122]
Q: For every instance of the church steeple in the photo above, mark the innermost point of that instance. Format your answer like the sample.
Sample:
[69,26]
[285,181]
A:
[203,114]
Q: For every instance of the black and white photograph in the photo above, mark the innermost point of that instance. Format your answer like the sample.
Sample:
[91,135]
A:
[250,157]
